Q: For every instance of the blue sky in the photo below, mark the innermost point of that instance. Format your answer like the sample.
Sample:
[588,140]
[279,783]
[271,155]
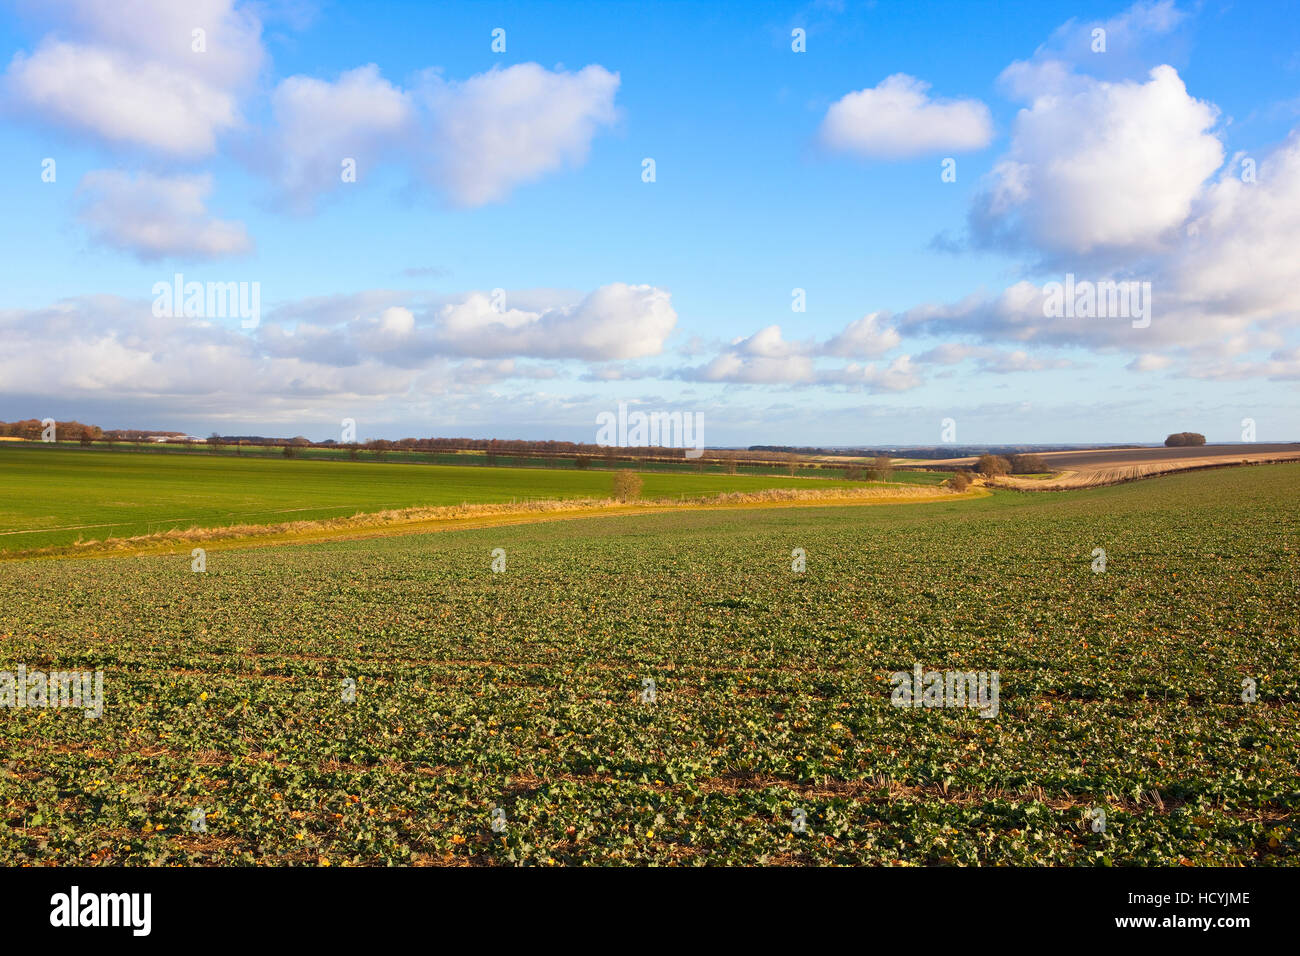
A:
[775,170]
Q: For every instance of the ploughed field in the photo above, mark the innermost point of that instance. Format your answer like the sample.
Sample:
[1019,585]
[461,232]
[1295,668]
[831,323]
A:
[501,718]
[1107,466]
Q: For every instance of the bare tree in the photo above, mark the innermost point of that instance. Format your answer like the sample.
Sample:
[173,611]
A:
[627,485]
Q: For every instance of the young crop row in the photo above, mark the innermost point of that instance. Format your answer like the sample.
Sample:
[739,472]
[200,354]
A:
[669,689]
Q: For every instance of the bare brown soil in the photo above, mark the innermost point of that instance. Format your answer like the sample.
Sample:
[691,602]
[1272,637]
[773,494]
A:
[1095,467]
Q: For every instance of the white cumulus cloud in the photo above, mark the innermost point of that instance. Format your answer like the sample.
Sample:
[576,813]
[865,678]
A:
[501,129]
[319,124]
[898,118]
[154,217]
[767,358]
[475,140]
[1101,167]
[128,73]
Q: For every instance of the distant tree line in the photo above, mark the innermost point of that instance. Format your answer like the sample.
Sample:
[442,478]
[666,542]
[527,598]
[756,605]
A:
[1180,439]
[31,428]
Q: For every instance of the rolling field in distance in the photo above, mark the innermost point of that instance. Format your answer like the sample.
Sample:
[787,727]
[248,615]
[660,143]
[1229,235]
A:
[56,496]
[1114,457]
[1095,467]
[521,692]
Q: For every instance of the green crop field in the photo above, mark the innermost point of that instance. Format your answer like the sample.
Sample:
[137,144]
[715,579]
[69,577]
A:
[395,700]
[55,496]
